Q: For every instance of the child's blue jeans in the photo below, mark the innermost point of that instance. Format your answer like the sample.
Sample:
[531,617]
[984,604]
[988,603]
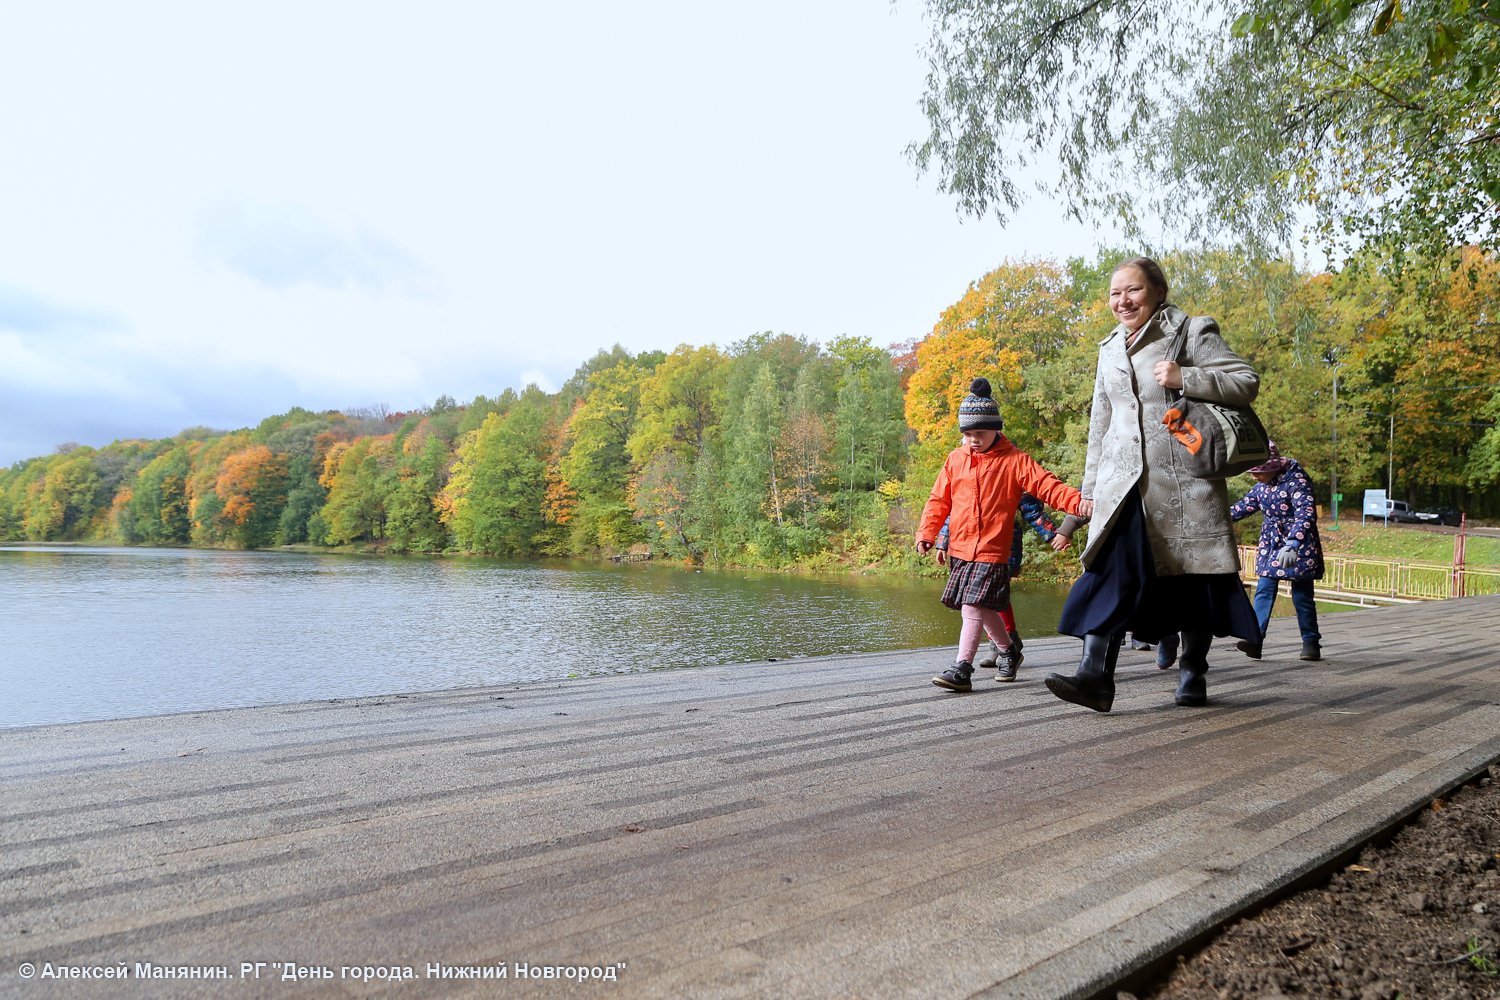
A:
[1302,602]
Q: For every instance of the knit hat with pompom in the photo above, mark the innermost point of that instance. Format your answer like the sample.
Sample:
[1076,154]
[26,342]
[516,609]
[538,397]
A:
[978,412]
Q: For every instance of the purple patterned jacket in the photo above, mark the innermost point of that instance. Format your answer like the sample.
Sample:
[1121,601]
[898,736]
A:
[1290,516]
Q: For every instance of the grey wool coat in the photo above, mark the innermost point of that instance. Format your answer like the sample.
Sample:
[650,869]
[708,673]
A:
[1187,519]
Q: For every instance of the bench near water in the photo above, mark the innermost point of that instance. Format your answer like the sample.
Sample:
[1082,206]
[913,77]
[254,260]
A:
[810,828]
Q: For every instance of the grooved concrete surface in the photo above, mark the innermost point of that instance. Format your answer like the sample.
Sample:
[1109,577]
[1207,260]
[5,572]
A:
[815,828]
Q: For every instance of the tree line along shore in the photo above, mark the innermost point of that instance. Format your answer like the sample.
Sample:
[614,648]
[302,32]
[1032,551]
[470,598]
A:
[779,451]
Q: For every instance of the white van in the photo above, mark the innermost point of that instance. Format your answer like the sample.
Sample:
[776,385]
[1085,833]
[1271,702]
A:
[1399,510]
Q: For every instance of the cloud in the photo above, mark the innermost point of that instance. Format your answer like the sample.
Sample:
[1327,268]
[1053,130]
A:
[98,388]
[281,246]
[25,311]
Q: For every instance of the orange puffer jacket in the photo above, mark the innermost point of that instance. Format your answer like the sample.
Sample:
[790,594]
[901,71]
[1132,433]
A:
[981,492]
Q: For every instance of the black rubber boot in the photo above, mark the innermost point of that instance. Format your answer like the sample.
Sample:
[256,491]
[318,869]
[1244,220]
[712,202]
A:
[1015,641]
[956,677]
[1192,666]
[1094,684]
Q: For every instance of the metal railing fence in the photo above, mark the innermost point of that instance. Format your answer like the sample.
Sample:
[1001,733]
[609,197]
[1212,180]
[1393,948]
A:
[1396,578]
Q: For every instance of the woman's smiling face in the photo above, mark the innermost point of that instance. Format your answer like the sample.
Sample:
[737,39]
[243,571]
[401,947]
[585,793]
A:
[1131,297]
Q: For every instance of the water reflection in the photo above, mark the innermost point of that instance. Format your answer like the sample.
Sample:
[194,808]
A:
[94,633]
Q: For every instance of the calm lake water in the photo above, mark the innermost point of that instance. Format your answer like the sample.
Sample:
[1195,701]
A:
[106,633]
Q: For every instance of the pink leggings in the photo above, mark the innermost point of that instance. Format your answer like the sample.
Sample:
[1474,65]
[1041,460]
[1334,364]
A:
[975,620]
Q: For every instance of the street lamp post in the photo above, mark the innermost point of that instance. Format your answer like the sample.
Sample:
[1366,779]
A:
[1334,492]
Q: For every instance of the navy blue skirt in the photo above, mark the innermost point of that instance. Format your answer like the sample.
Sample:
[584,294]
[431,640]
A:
[1121,592]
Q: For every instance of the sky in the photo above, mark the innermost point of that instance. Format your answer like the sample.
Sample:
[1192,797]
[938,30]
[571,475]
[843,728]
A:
[210,213]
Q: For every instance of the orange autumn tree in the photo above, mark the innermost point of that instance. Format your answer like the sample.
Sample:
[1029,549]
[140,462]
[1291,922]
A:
[252,485]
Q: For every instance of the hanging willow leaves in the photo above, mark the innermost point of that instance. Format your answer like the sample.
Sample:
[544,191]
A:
[1350,122]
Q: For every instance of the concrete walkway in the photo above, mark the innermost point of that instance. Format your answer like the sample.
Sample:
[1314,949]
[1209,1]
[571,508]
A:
[815,828]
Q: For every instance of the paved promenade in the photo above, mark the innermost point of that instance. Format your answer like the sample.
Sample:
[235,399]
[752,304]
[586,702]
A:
[805,829]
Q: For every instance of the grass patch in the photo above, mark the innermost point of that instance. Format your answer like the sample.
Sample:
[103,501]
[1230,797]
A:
[1406,543]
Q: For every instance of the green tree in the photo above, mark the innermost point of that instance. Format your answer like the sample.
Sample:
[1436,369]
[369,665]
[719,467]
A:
[412,522]
[596,462]
[680,404]
[357,487]
[493,500]
[662,495]
[869,423]
[65,498]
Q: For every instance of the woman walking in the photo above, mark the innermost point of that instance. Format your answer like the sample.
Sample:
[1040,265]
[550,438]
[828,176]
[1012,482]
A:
[1289,547]
[1161,554]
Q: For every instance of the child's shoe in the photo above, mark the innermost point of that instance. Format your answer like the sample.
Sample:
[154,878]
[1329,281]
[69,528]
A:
[1135,643]
[956,677]
[1015,641]
[1009,660]
[990,658]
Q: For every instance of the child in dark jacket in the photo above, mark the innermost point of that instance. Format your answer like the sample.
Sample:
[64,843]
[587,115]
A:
[977,492]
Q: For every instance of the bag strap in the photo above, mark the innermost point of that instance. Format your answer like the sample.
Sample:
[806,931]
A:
[1172,353]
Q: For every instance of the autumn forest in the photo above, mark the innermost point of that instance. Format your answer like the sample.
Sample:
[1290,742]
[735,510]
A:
[777,450]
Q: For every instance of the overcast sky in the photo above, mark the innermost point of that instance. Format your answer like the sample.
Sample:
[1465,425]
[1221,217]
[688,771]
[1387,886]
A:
[210,213]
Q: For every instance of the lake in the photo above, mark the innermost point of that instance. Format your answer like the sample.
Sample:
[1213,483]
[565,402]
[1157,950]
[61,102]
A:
[105,633]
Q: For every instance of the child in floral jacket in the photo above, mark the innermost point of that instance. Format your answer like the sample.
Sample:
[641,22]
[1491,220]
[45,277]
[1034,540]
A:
[1289,547]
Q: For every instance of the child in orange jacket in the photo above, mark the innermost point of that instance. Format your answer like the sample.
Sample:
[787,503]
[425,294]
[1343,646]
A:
[977,492]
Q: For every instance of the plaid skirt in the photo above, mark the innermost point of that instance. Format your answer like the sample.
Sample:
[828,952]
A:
[986,584]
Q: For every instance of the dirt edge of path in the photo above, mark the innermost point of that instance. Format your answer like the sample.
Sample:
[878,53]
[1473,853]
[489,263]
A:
[1414,917]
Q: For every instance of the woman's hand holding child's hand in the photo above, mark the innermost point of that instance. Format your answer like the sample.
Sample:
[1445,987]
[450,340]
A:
[1168,374]
[1060,542]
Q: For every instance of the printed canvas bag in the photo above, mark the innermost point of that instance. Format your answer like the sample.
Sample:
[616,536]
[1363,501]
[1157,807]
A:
[1214,440]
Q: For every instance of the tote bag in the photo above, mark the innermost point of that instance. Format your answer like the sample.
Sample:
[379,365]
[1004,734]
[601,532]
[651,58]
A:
[1212,440]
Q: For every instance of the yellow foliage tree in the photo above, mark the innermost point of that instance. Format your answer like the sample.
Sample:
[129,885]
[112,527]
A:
[1019,313]
[946,365]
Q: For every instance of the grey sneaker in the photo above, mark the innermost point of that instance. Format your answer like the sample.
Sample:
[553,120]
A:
[990,658]
[956,677]
[1009,660]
